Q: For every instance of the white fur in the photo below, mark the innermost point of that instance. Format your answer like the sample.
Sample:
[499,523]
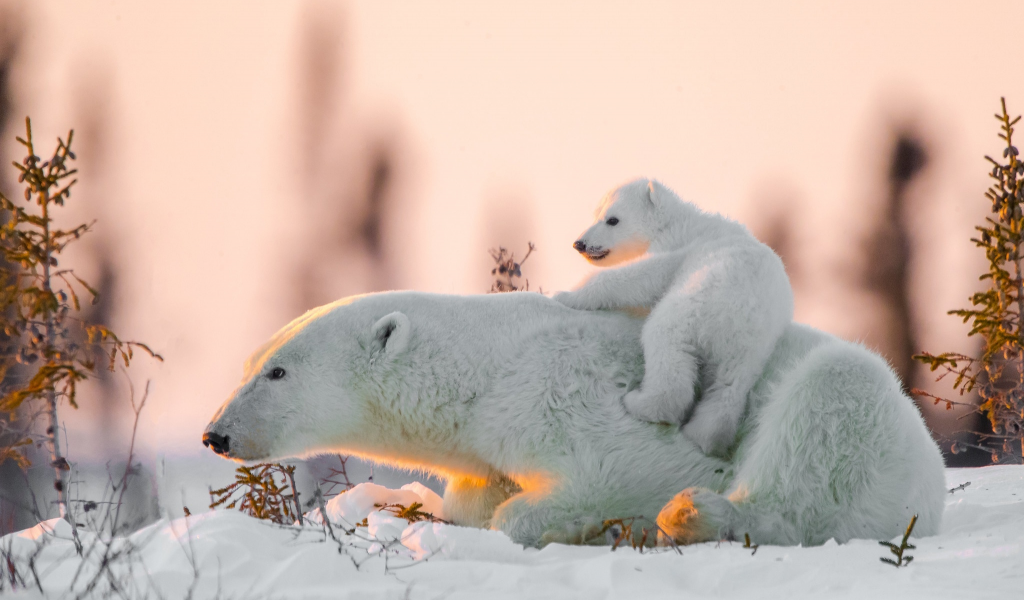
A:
[719,300]
[517,401]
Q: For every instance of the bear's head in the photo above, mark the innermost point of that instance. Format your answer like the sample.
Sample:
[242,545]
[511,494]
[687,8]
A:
[628,220]
[301,392]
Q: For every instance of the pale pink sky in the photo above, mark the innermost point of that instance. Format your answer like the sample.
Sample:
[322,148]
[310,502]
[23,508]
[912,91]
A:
[542,104]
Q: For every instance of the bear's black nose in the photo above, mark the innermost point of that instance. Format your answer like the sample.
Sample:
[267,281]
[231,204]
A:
[580,246]
[217,443]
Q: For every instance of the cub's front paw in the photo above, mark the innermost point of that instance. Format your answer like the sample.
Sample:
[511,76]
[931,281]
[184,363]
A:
[654,408]
[570,299]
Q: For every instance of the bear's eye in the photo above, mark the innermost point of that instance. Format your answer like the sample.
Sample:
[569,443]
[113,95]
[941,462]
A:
[276,373]
[613,221]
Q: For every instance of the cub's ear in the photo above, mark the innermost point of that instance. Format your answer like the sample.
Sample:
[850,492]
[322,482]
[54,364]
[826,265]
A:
[390,335]
[657,193]
[653,191]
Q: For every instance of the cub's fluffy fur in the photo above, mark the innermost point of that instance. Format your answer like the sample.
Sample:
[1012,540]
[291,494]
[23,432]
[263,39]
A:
[719,301]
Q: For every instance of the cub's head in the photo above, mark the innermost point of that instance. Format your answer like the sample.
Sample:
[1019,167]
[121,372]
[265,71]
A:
[301,392]
[627,222]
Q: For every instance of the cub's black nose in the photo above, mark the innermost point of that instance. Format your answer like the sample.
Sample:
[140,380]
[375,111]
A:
[217,443]
[579,246]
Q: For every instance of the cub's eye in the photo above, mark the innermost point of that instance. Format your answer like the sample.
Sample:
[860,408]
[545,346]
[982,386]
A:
[276,373]
[613,221]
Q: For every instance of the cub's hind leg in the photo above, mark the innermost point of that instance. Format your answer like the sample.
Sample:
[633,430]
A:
[744,317]
[716,418]
[670,363]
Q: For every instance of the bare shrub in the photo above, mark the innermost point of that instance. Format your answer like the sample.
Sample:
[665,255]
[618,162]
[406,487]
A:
[507,271]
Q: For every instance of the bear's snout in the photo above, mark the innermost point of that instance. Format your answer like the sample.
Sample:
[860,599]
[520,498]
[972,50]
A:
[580,246]
[220,444]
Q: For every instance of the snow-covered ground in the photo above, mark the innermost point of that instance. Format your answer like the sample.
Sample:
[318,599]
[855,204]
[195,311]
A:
[978,555]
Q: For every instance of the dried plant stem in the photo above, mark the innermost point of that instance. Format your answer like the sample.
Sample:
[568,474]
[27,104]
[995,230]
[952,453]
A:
[295,495]
[323,513]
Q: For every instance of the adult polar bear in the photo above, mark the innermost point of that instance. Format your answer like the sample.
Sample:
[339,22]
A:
[516,400]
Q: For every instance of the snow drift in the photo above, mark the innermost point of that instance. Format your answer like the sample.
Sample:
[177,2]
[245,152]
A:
[223,554]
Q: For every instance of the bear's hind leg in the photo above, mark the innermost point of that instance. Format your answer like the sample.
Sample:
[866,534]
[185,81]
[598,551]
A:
[839,452]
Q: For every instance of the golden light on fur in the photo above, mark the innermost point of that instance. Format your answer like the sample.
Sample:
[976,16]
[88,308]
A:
[681,520]
[536,484]
[623,252]
[255,362]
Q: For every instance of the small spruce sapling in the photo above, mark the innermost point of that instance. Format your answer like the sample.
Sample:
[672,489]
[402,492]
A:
[898,551]
[748,545]
[997,313]
[411,513]
[39,323]
[258,493]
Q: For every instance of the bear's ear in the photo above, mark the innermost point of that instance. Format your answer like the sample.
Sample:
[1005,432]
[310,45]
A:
[390,335]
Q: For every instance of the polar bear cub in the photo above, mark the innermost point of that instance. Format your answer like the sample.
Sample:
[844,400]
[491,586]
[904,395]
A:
[719,301]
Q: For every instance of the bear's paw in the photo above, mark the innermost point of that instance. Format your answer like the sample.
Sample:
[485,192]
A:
[697,515]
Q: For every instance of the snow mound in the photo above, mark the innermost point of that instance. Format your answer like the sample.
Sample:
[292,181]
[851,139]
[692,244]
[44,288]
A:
[428,540]
[226,554]
[353,506]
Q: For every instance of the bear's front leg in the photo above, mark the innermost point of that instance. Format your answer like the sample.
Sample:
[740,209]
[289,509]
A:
[471,502]
[525,517]
[539,518]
